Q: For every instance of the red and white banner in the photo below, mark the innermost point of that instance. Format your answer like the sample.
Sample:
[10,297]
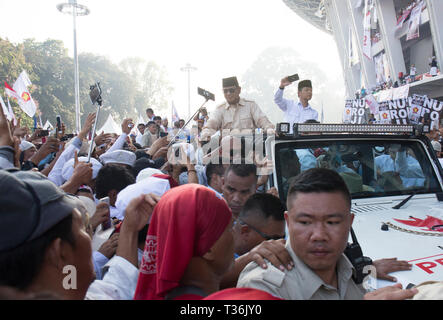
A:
[367,45]
[414,23]
[372,104]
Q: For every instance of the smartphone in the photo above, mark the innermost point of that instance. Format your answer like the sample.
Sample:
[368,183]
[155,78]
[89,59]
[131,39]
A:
[66,137]
[293,78]
[59,123]
[43,133]
[163,134]
[107,224]
[208,95]
[95,93]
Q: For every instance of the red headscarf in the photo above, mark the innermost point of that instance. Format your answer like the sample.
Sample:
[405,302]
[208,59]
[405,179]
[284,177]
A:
[241,294]
[186,223]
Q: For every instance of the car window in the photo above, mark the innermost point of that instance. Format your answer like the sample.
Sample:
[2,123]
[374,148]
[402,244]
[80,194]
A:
[370,168]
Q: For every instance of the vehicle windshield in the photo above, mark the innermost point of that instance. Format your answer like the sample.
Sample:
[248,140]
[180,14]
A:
[370,168]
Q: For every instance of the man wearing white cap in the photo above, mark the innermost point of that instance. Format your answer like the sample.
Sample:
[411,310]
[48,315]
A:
[121,157]
[28,149]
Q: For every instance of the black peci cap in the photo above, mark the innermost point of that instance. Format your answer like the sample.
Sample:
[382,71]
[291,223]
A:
[304,84]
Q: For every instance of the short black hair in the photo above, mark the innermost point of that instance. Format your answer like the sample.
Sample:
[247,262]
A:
[157,118]
[150,123]
[142,163]
[318,180]
[20,266]
[212,168]
[149,110]
[265,205]
[112,177]
[141,124]
[242,170]
[311,121]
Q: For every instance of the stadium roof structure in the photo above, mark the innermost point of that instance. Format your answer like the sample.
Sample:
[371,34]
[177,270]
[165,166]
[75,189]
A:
[312,11]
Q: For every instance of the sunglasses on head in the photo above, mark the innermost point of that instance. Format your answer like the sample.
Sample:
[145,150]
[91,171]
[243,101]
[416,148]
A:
[262,234]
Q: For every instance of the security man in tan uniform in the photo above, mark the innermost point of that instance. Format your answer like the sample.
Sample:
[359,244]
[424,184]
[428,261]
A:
[319,221]
[236,114]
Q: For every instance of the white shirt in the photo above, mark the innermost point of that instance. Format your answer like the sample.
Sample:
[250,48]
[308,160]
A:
[294,112]
[118,283]
[56,173]
[408,167]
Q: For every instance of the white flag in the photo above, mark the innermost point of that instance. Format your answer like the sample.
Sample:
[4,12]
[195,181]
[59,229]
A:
[48,126]
[11,113]
[175,116]
[5,110]
[21,87]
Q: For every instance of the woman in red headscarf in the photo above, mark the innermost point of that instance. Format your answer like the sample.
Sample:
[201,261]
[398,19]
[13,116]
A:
[189,245]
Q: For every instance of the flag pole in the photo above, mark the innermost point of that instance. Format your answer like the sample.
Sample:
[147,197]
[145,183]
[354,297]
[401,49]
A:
[184,126]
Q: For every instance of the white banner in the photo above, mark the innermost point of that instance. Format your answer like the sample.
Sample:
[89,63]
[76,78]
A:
[385,95]
[400,92]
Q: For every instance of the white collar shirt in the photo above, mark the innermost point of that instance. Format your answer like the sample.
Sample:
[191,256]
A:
[294,112]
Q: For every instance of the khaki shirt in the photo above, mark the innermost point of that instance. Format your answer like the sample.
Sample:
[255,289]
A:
[301,283]
[148,139]
[244,117]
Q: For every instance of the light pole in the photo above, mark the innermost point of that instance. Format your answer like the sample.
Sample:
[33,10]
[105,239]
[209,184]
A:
[75,9]
[188,68]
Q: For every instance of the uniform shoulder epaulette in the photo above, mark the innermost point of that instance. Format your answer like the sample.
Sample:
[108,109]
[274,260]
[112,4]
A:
[273,275]
[221,105]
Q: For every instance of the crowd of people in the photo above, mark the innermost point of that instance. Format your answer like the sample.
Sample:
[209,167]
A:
[126,221]
[403,79]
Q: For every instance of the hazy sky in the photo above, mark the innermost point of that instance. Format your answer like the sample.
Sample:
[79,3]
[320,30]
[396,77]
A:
[220,37]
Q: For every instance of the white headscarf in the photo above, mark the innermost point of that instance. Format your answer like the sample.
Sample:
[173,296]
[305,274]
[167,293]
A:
[153,185]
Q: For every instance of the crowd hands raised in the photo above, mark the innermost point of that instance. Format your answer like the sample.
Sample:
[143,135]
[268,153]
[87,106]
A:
[133,223]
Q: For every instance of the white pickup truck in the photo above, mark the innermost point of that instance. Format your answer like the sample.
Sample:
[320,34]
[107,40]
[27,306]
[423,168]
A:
[395,181]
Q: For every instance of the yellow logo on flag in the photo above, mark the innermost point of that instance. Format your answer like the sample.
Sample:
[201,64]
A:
[415,110]
[25,96]
[385,115]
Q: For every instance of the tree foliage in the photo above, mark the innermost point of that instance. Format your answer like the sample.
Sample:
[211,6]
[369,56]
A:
[128,88]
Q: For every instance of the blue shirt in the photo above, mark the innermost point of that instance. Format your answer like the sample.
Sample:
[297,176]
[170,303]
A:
[294,112]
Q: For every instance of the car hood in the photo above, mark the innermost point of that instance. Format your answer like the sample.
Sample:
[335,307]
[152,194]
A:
[409,235]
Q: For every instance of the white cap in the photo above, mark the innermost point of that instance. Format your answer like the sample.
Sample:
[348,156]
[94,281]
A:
[146,173]
[26,145]
[68,167]
[119,156]
[153,185]
[436,145]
